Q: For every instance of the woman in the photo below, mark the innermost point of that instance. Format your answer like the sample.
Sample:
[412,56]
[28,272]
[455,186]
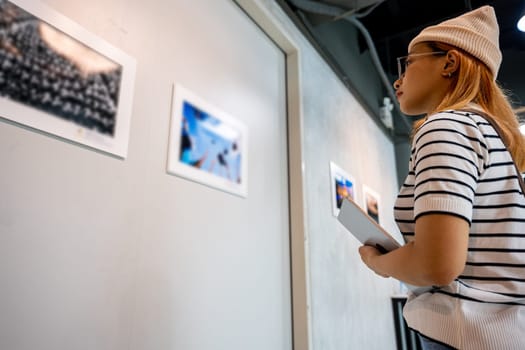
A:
[462,206]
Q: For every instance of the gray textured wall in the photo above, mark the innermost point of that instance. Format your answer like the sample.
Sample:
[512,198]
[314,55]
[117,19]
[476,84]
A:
[348,301]
[350,306]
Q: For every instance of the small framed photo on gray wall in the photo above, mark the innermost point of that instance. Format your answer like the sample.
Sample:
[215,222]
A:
[372,202]
[342,185]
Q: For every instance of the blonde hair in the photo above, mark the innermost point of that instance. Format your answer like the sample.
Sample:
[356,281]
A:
[474,82]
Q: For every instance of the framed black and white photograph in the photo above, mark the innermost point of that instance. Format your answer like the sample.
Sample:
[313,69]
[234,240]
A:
[371,202]
[207,145]
[58,78]
[342,185]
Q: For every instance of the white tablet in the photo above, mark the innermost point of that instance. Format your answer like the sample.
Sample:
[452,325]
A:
[364,228]
[368,232]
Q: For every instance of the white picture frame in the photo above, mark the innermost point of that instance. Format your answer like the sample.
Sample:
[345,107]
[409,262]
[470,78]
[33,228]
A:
[372,203]
[207,145]
[342,185]
[71,83]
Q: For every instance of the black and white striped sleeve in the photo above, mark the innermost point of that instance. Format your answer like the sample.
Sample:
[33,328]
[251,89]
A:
[449,156]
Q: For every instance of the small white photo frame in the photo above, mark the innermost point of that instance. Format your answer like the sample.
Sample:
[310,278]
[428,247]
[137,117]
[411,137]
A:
[207,145]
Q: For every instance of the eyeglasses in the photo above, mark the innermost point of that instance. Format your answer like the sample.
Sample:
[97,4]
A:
[404,62]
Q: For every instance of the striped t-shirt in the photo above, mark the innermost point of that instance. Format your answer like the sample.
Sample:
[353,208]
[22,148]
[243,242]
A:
[460,166]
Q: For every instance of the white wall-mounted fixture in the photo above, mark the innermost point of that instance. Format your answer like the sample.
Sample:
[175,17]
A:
[521,24]
[385,113]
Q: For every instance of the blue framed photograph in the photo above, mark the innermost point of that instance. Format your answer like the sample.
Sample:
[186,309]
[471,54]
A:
[342,185]
[207,145]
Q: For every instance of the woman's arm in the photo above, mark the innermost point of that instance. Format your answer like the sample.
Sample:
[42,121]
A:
[436,256]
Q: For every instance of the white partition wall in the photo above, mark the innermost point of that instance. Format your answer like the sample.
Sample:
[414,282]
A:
[100,253]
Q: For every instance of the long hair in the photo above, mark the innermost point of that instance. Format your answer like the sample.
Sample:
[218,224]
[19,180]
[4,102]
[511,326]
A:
[474,82]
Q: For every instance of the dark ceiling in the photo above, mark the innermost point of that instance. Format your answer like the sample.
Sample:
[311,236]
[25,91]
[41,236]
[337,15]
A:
[391,24]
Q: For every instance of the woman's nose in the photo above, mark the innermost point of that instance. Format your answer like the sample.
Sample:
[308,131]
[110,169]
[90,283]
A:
[397,84]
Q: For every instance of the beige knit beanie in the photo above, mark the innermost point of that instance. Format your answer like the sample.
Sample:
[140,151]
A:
[476,32]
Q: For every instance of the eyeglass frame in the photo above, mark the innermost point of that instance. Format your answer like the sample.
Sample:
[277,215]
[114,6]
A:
[401,68]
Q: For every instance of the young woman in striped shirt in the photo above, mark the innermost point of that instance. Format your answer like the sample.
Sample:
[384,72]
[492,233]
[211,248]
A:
[461,208]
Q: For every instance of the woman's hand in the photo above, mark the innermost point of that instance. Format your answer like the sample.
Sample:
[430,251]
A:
[369,255]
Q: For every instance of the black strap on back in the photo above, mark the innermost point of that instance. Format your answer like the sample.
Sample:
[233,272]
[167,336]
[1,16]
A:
[500,134]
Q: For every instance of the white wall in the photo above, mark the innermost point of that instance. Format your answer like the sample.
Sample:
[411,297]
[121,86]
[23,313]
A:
[102,253]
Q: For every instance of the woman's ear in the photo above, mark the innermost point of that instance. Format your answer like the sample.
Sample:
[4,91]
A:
[451,63]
